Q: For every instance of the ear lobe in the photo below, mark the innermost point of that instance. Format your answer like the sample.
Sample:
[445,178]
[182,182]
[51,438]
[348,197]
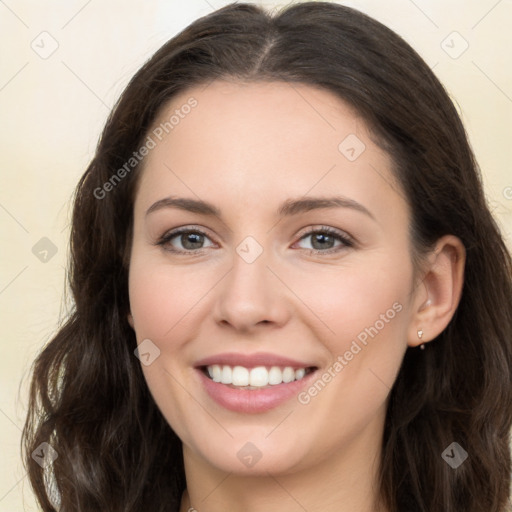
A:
[443,281]
[130,320]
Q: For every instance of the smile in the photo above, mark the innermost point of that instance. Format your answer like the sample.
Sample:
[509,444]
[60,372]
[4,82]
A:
[253,383]
[255,378]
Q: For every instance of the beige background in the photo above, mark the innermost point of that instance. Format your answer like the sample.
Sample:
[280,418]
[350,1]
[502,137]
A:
[52,110]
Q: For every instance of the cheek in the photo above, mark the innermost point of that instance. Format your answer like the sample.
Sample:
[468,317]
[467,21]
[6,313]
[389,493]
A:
[341,301]
[162,296]
[364,313]
[349,300]
[161,299]
[368,311]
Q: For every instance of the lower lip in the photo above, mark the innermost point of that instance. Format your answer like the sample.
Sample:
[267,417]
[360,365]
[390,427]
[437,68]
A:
[255,400]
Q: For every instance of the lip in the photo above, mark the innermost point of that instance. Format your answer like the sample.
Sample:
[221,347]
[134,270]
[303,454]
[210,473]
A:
[255,400]
[253,360]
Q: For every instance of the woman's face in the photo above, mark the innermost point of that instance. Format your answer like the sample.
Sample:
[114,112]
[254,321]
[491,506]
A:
[258,292]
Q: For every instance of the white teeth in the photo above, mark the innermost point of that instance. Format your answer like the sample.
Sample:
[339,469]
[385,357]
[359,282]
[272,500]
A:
[217,373]
[240,376]
[299,373]
[275,376]
[257,377]
[288,374]
[227,375]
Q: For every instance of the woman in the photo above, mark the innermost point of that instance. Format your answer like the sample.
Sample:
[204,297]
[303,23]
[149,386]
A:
[215,362]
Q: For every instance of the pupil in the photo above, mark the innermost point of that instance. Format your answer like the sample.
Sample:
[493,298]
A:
[189,238]
[319,237]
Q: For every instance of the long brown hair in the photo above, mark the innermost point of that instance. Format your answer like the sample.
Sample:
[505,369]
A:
[89,400]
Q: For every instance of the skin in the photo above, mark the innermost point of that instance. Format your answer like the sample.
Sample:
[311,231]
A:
[247,148]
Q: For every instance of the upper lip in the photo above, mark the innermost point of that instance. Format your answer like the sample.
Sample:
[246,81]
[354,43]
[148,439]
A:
[252,360]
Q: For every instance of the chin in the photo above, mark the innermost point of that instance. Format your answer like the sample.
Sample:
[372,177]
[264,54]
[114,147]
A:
[258,457]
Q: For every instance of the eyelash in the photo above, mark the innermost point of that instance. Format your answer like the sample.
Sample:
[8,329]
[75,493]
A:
[347,241]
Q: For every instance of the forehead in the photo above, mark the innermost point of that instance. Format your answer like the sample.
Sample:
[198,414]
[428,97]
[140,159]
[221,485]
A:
[262,141]
[276,112]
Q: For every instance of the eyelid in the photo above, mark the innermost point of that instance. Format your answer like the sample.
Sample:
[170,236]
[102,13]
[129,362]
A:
[347,241]
[172,233]
[328,229]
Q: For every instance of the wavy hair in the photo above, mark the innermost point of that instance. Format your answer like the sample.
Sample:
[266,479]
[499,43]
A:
[88,397]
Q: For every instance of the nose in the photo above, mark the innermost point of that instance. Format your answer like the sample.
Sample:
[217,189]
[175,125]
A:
[251,295]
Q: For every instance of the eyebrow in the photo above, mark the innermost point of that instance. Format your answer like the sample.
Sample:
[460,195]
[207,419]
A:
[288,208]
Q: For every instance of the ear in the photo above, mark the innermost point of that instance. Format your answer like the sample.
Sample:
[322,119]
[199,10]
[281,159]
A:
[130,320]
[439,294]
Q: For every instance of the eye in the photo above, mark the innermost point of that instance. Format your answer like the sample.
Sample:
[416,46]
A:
[323,240]
[191,240]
